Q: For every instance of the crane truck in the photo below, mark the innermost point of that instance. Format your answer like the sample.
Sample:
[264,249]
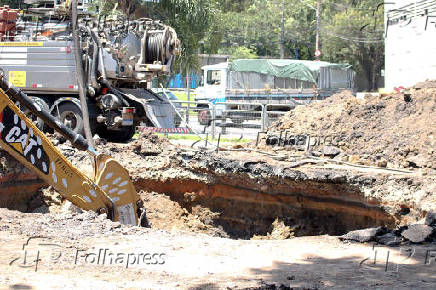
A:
[39,79]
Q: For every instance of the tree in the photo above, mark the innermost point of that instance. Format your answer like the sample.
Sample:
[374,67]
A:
[11,3]
[128,6]
[192,20]
[243,53]
[257,28]
[353,33]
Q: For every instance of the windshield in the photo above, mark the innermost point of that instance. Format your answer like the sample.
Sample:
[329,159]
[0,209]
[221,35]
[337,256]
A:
[214,77]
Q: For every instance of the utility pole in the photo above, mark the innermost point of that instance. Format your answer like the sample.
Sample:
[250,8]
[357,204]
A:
[318,29]
[282,38]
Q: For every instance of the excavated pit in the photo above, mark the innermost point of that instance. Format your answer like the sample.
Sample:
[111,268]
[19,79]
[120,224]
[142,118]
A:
[243,212]
[246,194]
[246,197]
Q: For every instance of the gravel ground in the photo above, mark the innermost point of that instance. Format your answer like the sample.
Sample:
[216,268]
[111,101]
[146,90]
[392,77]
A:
[69,244]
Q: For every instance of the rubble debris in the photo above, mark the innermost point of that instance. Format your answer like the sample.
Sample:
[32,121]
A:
[70,226]
[430,219]
[388,239]
[68,207]
[425,85]
[362,236]
[331,151]
[415,233]
[149,144]
[418,233]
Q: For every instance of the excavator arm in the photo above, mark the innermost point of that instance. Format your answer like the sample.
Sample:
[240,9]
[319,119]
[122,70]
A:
[109,191]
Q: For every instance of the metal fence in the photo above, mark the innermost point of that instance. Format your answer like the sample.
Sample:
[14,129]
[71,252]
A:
[229,118]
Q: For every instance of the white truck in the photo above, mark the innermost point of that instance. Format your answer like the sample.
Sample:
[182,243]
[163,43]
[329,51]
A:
[282,82]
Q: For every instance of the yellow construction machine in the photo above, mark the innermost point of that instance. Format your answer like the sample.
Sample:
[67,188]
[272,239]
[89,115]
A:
[109,191]
[115,61]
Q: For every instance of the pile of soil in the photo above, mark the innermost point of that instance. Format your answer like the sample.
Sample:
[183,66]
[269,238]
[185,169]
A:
[396,131]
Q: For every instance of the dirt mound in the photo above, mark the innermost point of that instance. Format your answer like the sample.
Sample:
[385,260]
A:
[149,144]
[395,131]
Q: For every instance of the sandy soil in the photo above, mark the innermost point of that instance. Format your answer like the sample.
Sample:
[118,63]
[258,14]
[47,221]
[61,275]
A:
[196,193]
[395,131]
[192,261]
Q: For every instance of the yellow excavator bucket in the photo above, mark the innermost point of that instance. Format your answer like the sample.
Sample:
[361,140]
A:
[115,181]
[110,191]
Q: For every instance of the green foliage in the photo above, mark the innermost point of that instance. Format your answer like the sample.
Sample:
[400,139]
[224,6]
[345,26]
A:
[353,33]
[258,28]
[243,52]
[234,5]
[10,3]
[191,19]
[105,7]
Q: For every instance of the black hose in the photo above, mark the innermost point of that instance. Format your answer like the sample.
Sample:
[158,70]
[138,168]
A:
[80,75]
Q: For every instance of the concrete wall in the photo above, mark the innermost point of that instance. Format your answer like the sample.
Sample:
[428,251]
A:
[410,42]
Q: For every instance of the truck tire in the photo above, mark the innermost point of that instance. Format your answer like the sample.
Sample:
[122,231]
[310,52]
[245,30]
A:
[36,120]
[71,116]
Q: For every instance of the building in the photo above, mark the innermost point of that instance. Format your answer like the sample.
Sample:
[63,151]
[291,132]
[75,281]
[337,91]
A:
[410,42]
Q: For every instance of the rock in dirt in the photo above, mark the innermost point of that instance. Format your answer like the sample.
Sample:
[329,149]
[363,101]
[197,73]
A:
[331,151]
[68,207]
[362,236]
[389,239]
[41,209]
[149,144]
[430,219]
[418,233]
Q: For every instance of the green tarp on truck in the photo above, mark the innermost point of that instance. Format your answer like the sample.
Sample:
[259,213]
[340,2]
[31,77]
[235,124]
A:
[304,70]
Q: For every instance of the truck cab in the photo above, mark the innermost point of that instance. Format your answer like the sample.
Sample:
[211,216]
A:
[215,79]
[215,83]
